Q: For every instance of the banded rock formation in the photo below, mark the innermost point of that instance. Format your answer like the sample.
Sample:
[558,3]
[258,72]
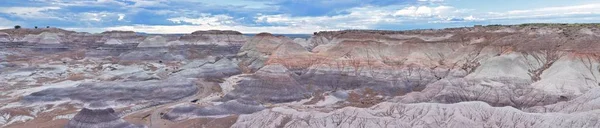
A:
[532,75]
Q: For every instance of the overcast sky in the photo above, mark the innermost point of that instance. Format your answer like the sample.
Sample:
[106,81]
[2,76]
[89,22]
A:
[287,16]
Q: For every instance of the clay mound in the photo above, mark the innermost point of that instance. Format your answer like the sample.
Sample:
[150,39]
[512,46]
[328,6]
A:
[4,37]
[43,38]
[99,118]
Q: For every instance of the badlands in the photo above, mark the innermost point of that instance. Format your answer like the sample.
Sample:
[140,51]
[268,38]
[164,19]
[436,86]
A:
[530,75]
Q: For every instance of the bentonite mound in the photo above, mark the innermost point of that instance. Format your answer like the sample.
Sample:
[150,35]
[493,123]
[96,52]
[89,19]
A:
[99,118]
[271,84]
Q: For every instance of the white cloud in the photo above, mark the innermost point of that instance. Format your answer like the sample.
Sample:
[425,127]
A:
[472,18]
[100,16]
[205,19]
[110,2]
[121,17]
[4,23]
[547,12]
[83,2]
[147,3]
[424,11]
[358,18]
[29,12]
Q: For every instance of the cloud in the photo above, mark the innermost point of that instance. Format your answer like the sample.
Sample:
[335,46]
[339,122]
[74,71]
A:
[587,9]
[29,12]
[100,16]
[205,19]
[4,23]
[424,11]
[356,18]
[83,2]
[121,17]
[327,7]
[147,3]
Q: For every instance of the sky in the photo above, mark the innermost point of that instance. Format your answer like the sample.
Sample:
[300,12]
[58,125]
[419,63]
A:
[287,16]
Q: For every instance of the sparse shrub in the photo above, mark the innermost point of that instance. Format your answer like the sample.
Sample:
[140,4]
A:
[18,27]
